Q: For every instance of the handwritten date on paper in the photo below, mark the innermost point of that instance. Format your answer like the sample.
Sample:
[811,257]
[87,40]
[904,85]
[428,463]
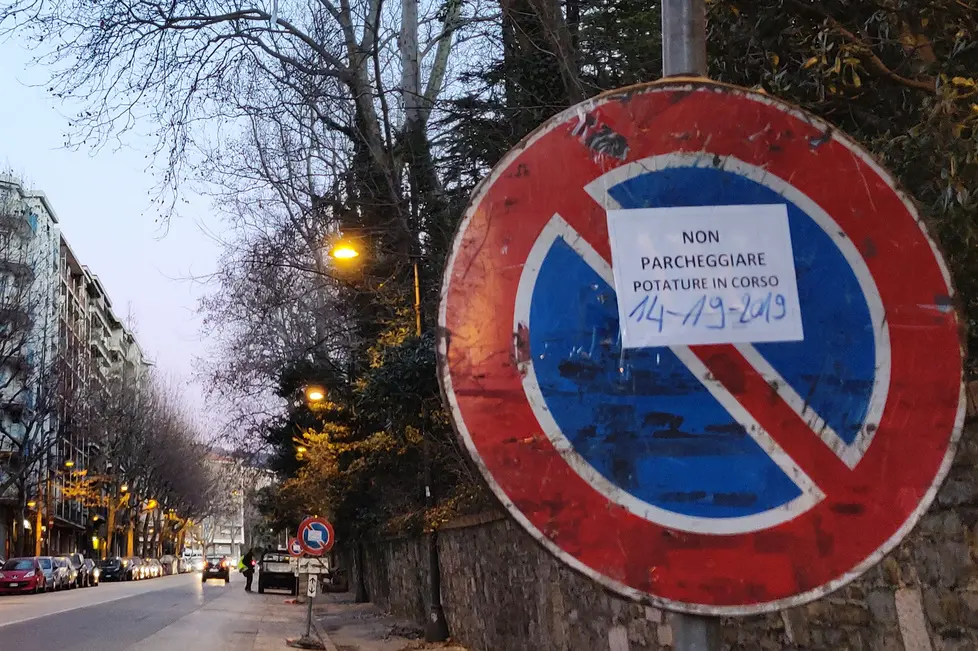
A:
[711,312]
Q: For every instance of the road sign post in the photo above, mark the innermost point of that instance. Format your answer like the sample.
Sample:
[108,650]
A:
[684,53]
[735,477]
[314,538]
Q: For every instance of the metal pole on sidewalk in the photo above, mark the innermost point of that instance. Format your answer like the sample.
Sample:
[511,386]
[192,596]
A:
[684,53]
[436,628]
[308,617]
[696,633]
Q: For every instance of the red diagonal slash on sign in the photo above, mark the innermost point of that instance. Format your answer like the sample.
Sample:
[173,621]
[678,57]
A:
[745,392]
[753,399]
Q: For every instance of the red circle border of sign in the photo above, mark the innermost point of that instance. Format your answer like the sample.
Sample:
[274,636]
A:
[554,504]
[305,524]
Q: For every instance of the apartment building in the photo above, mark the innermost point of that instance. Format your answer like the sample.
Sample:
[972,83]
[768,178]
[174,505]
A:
[29,236]
[95,346]
[60,341]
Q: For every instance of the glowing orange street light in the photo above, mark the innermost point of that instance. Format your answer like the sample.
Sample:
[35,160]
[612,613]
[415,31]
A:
[315,394]
[69,464]
[344,251]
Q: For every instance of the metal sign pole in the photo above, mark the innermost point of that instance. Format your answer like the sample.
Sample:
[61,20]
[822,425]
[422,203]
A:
[684,53]
[683,38]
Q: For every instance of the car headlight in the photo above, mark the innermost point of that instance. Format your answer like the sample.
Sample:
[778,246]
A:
[2,576]
[29,575]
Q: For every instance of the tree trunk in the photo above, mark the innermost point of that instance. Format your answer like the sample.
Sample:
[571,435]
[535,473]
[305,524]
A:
[158,537]
[144,536]
[109,528]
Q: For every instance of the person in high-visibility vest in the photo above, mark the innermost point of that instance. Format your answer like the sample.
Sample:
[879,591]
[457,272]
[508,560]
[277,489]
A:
[247,567]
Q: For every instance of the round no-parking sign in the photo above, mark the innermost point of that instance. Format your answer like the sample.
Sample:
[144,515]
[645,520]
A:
[769,401]
[315,536]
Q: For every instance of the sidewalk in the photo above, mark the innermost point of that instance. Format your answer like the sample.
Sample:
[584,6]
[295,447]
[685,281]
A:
[350,626]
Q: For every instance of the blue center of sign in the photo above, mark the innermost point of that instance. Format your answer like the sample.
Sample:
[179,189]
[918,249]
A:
[642,419]
[323,535]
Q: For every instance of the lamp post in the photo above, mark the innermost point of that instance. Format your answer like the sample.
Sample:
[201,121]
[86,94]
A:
[436,628]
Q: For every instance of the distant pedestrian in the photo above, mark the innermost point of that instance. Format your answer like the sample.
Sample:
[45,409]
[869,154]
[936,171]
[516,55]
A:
[249,569]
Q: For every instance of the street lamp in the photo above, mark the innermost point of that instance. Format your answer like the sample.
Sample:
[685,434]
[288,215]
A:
[436,628]
[344,250]
[124,488]
[315,394]
[69,464]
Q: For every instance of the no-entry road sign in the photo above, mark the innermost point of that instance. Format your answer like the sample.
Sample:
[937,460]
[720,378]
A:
[316,536]
[746,474]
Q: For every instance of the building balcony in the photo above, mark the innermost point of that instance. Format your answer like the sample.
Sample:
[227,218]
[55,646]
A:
[14,313]
[99,348]
[15,220]
[16,362]
[18,408]
[18,269]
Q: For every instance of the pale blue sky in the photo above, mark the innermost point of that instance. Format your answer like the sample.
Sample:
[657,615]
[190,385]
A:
[103,202]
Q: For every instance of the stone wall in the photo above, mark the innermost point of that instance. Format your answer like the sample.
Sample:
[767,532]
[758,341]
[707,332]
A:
[503,592]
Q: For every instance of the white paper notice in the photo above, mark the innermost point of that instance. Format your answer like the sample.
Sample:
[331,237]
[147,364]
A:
[704,275]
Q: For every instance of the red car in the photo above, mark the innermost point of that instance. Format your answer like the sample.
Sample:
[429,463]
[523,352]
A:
[22,575]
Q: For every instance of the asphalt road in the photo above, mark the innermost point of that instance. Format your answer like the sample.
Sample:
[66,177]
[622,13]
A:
[175,613]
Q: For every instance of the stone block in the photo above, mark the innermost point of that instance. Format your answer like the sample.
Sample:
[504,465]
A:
[796,628]
[882,606]
[958,491]
[640,632]
[664,635]
[851,614]
[890,569]
[969,607]
[932,607]
[618,639]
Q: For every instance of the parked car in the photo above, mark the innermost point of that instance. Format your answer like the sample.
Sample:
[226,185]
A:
[275,571]
[134,569]
[47,567]
[93,571]
[112,569]
[171,564]
[64,576]
[82,577]
[216,567]
[22,575]
[154,568]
